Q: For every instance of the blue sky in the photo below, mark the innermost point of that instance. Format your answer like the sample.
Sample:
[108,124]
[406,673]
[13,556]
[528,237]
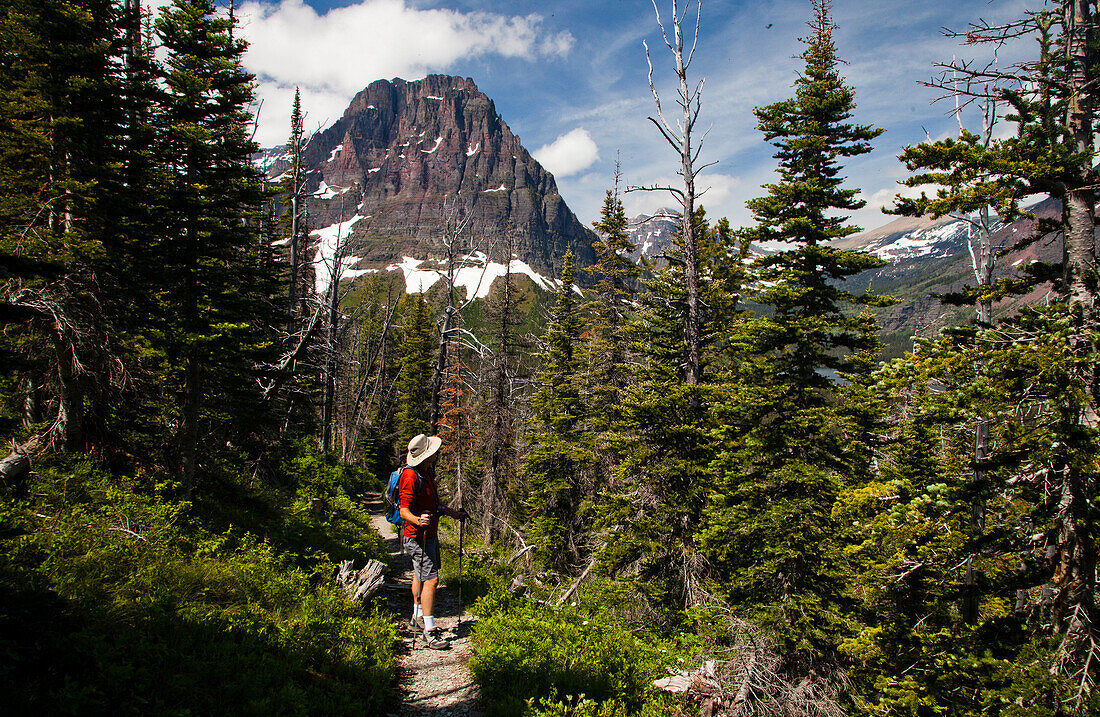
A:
[569,78]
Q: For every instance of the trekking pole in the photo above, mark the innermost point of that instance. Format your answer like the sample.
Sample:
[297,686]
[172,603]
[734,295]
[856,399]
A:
[461,535]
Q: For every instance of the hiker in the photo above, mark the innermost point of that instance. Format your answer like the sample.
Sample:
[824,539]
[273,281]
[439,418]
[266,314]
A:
[420,511]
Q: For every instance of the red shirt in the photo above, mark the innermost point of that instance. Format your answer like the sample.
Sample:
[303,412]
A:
[419,499]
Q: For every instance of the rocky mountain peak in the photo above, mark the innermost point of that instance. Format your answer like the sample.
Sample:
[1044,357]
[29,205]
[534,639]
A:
[409,159]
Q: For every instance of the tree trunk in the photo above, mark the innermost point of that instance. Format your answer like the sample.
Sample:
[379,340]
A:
[293,288]
[441,365]
[1080,248]
[32,406]
[17,465]
[1074,560]
[679,137]
[188,432]
[984,261]
[68,431]
[331,364]
[1080,237]
[693,324]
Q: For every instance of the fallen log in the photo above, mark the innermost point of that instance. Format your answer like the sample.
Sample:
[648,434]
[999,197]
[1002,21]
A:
[520,553]
[17,465]
[362,584]
[577,583]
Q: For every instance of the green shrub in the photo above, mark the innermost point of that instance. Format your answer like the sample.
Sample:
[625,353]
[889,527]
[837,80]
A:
[525,655]
[116,596]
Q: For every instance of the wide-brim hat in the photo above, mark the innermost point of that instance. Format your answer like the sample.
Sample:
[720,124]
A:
[421,448]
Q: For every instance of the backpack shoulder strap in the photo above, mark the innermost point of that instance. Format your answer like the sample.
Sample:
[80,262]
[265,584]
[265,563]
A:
[419,480]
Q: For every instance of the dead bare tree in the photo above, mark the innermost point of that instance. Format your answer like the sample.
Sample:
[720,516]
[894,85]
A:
[367,372]
[679,135]
[461,254]
[70,339]
[334,267]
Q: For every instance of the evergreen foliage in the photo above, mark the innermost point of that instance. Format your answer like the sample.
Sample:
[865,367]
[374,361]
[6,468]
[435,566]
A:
[787,441]
[919,534]
[415,384]
[214,319]
[607,348]
[660,437]
[559,462]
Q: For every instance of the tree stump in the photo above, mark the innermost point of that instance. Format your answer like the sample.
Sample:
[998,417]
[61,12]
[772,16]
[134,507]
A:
[362,584]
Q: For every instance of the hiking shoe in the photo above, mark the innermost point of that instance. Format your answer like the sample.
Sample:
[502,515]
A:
[434,640]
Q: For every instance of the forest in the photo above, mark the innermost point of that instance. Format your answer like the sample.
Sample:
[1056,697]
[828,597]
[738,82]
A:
[704,464]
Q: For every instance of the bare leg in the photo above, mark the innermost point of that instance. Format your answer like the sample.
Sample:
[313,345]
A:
[415,591]
[427,596]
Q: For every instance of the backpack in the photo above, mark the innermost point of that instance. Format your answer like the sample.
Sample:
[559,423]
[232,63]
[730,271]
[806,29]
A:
[391,497]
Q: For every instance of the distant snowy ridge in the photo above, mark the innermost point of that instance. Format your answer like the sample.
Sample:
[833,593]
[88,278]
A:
[938,241]
[909,238]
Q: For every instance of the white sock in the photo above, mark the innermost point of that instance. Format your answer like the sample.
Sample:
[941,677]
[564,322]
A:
[429,623]
[418,610]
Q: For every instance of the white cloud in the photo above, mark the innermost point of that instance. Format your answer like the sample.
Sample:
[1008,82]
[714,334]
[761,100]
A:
[333,55]
[569,154]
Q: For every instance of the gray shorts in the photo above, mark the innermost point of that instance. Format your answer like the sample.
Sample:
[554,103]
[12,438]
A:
[425,556]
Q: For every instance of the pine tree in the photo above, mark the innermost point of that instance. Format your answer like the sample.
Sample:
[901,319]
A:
[559,462]
[216,318]
[957,613]
[616,276]
[660,436]
[415,381]
[293,189]
[788,441]
[59,154]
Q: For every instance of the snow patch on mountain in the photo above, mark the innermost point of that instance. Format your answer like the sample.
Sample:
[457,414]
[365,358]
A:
[438,141]
[326,192]
[934,242]
[329,240]
[475,274]
[335,152]
[265,158]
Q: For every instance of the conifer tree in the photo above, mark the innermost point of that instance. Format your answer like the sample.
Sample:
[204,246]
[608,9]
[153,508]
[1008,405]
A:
[660,439]
[216,319]
[558,463]
[59,151]
[916,548]
[788,442]
[1053,101]
[616,277]
[293,188]
[415,381]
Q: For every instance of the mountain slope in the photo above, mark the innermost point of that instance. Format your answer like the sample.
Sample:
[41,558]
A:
[930,257]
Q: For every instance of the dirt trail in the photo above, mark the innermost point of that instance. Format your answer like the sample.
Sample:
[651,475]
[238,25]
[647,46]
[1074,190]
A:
[430,682]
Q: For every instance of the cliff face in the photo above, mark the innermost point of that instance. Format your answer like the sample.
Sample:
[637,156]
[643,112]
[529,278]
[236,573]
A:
[412,158]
